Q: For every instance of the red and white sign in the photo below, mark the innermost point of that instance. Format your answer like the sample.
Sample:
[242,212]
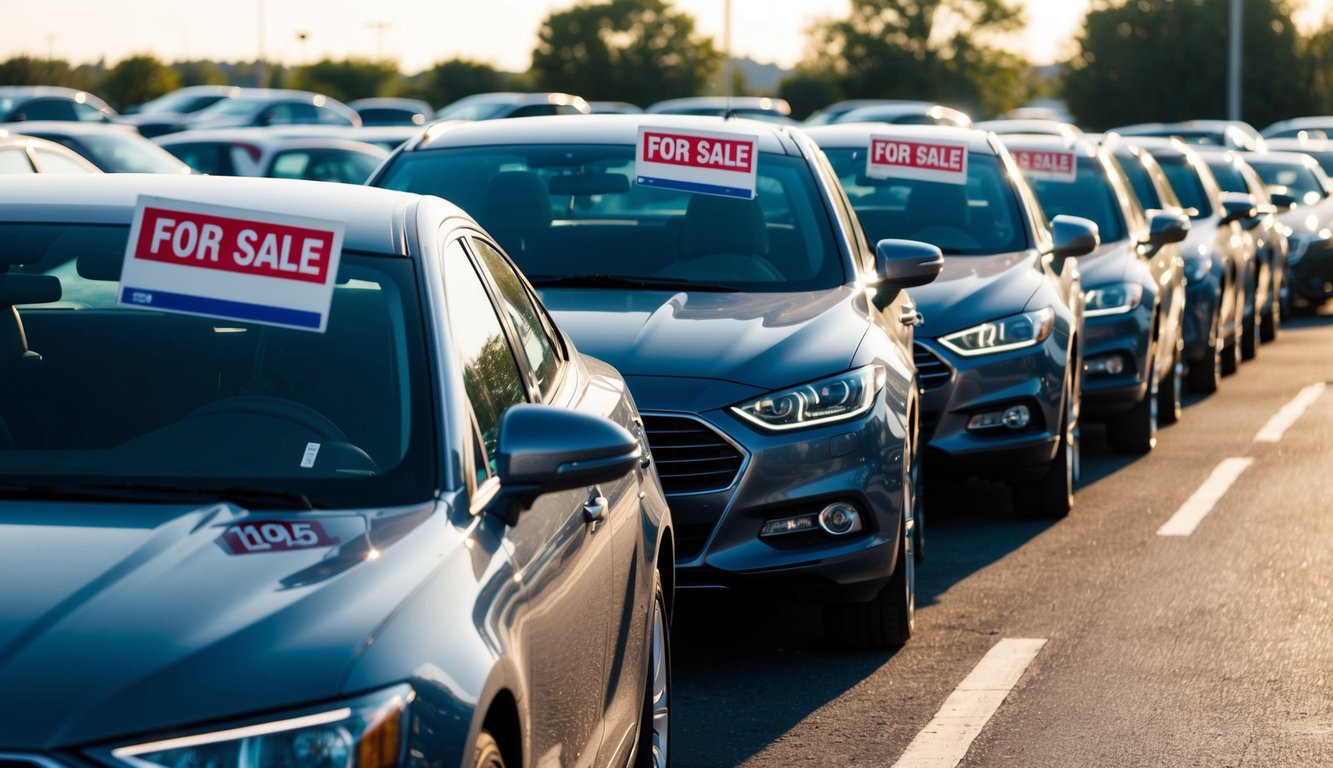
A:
[1057,164]
[256,536]
[236,264]
[925,160]
[711,163]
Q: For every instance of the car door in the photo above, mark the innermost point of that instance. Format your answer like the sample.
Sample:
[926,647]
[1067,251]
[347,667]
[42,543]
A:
[561,548]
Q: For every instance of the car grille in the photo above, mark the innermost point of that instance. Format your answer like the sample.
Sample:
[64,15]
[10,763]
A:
[690,456]
[931,371]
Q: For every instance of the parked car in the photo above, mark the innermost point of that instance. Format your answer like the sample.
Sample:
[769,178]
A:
[1217,255]
[1314,127]
[112,148]
[753,107]
[261,152]
[999,354]
[492,106]
[1031,126]
[1297,179]
[905,113]
[384,508]
[833,112]
[1320,149]
[167,113]
[1228,134]
[724,275]
[264,107]
[393,111]
[28,154]
[1133,287]
[49,102]
[614,108]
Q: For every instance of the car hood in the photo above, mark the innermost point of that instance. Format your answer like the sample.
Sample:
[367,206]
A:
[1108,264]
[974,289]
[762,340]
[135,618]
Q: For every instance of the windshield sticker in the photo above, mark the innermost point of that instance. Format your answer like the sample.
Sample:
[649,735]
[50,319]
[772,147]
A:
[311,451]
[706,162]
[933,160]
[231,263]
[256,536]
[1054,164]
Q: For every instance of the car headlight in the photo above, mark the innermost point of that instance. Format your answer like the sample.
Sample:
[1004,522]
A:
[1013,332]
[837,398]
[1197,269]
[366,733]
[1112,299]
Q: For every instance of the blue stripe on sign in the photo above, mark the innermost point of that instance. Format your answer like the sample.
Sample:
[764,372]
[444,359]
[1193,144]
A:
[232,310]
[694,186]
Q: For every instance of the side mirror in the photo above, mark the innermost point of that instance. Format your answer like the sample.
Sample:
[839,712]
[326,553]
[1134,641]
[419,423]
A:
[1164,228]
[1237,206]
[1074,236]
[903,264]
[542,449]
[1282,201]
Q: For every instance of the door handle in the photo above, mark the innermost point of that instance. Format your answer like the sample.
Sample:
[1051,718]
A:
[912,317]
[594,510]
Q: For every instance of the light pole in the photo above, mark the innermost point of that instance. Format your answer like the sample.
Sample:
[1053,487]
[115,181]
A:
[726,45]
[1233,62]
[261,67]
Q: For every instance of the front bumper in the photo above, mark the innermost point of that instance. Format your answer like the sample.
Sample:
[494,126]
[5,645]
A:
[1125,337]
[1311,277]
[1201,301]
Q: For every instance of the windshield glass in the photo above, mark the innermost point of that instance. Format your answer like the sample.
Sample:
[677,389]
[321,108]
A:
[977,218]
[181,103]
[1185,181]
[116,395]
[479,109]
[233,107]
[129,154]
[1140,181]
[576,211]
[1089,195]
[1294,179]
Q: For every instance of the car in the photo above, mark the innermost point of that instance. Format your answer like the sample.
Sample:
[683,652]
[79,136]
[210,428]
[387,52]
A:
[1314,127]
[752,107]
[262,152]
[112,148]
[999,353]
[1217,255]
[501,104]
[905,113]
[167,113]
[1030,126]
[387,509]
[1228,134]
[28,154]
[1264,281]
[1305,194]
[614,108]
[766,344]
[1320,149]
[1133,287]
[50,102]
[393,111]
[265,107]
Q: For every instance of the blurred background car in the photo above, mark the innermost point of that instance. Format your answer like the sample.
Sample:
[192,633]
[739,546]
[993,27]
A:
[49,102]
[271,106]
[1320,149]
[1298,179]
[1228,134]
[1314,127]
[752,107]
[260,152]
[166,113]
[393,111]
[1133,287]
[112,148]
[1032,127]
[29,154]
[502,104]
[614,108]
[999,354]
[904,113]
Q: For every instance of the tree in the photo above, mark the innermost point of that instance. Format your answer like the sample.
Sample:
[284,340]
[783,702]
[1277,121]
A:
[449,81]
[640,51]
[136,80]
[347,79]
[200,73]
[1167,61]
[935,50]
[807,92]
[29,70]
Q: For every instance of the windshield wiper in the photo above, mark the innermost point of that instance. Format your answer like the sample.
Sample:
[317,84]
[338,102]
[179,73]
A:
[622,281]
[130,491]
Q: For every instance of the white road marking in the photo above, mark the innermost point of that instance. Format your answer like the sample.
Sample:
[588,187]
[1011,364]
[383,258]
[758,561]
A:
[944,742]
[1290,414]
[1197,507]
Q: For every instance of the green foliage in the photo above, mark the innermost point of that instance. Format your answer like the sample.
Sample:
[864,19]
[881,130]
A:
[449,81]
[936,50]
[1166,60]
[807,92]
[641,51]
[345,80]
[136,80]
[200,73]
[28,70]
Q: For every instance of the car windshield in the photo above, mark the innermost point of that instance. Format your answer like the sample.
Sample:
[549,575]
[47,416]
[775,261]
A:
[179,103]
[1185,181]
[567,211]
[1292,178]
[977,218]
[1089,194]
[129,154]
[232,107]
[114,398]
[479,109]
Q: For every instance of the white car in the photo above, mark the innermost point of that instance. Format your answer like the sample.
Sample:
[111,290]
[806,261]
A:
[28,154]
[264,152]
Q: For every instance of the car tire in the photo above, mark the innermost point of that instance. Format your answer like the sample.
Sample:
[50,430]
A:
[1171,394]
[1270,321]
[915,493]
[1249,332]
[887,619]
[1052,496]
[1135,430]
[653,749]
[1203,377]
[486,753]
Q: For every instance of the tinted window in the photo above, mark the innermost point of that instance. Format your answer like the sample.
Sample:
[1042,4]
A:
[48,109]
[326,116]
[534,337]
[323,165]
[55,162]
[1228,176]
[1185,181]
[88,113]
[1293,178]
[1089,195]
[1140,181]
[15,160]
[205,157]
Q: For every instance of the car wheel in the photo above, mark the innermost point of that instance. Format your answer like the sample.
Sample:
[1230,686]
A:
[1205,378]
[1052,496]
[1271,319]
[487,752]
[655,722]
[1170,396]
[887,619]
[1249,332]
[1135,430]
[1231,353]
[914,495]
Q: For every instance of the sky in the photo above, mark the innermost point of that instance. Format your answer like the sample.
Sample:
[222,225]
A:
[418,33]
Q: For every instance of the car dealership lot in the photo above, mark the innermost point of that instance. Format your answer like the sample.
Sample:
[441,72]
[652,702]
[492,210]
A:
[1210,649]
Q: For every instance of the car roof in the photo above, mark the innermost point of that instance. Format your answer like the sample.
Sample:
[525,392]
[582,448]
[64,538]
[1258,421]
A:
[873,111]
[843,135]
[1079,146]
[374,219]
[777,106]
[40,90]
[1295,158]
[68,127]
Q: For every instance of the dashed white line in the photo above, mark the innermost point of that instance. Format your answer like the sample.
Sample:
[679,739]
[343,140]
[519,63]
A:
[1197,506]
[944,742]
[1290,414]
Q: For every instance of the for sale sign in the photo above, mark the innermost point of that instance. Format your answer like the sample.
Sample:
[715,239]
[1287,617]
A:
[707,162]
[924,160]
[231,263]
[1056,164]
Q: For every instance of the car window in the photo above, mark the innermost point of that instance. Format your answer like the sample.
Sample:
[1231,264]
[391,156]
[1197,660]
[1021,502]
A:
[55,162]
[1228,176]
[533,110]
[205,157]
[48,109]
[15,160]
[118,152]
[535,335]
[87,113]
[1187,185]
[491,376]
[1294,179]
[1089,194]
[326,116]
[322,165]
